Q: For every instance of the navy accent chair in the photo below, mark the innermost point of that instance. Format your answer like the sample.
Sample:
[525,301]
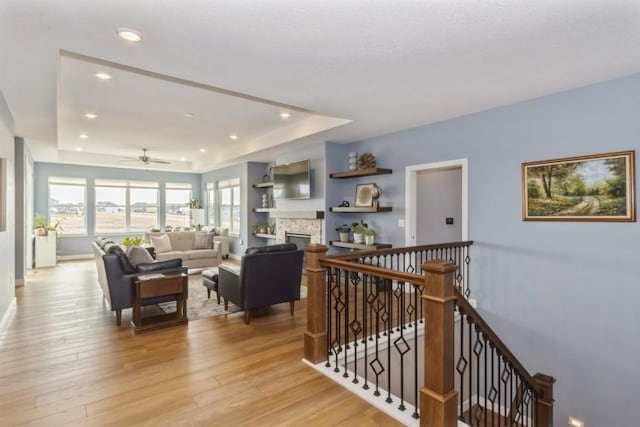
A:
[267,275]
[115,274]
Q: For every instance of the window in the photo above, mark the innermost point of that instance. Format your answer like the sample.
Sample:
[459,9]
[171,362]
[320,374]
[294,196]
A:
[229,192]
[211,203]
[123,206]
[67,204]
[177,202]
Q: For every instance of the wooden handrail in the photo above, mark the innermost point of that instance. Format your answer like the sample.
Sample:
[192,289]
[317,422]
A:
[372,270]
[493,338]
[403,250]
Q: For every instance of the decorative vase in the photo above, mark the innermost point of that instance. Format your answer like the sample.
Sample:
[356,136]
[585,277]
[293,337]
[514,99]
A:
[358,238]
[265,201]
[353,161]
[368,240]
[344,237]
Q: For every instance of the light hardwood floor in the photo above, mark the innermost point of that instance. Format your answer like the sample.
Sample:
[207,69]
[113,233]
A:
[63,361]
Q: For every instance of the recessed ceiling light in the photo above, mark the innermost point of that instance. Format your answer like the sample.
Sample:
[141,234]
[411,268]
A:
[202,150]
[84,136]
[129,35]
[285,115]
[103,76]
[233,136]
[182,159]
[91,116]
[78,148]
[189,114]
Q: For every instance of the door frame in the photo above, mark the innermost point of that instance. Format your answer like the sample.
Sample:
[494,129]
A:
[411,190]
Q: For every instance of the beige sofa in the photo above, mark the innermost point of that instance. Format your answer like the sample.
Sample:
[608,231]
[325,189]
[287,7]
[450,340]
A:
[182,246]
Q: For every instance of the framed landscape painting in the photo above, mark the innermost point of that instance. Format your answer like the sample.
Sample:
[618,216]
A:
[600,187]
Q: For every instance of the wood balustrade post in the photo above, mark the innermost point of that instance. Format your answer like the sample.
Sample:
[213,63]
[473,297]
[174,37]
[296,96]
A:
[315,337]
[544,403]
[438,397]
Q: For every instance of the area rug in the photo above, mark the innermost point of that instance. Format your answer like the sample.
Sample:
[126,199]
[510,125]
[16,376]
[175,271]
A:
[199,306]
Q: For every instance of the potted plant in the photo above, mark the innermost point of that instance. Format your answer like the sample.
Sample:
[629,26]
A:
[343,230]
[194,204]
[358,230]
[369,236]
[41,226]
[132,241]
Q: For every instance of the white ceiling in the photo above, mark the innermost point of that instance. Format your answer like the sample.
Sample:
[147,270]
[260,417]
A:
[346,70]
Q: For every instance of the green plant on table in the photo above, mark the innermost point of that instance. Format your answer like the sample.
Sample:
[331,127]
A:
[42,222]
[135,241]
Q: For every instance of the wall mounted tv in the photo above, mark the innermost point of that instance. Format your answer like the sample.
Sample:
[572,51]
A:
[292,180]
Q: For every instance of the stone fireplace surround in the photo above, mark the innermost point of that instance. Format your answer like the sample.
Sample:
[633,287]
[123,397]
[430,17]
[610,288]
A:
[312,227]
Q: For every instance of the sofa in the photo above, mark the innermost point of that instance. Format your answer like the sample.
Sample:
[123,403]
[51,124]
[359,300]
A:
[267,275]
[115,274]
[188,246]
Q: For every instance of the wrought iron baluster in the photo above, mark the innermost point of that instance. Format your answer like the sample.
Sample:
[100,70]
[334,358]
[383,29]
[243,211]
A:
[477,350]
[469,350]
[366,284]
[389,328]
[415,357]
[355,325]
[346,321]
[329,287]
[484,339]
[461,365]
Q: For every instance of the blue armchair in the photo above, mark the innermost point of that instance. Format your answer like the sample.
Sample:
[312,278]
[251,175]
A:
[267,275]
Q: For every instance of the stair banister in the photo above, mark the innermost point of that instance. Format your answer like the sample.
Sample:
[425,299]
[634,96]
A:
[315,337]
[438,397]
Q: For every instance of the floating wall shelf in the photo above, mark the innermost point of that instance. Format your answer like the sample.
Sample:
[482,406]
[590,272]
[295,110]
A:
[359,246]
[360,172]
[263,185]
[360,209]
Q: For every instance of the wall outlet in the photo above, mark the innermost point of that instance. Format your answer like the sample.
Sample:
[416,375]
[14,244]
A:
[241,242]
[574,422]
[401,223]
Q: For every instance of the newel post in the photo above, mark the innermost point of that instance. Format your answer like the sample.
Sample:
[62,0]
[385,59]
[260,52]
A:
[438,398]
[544,403]
[315,337]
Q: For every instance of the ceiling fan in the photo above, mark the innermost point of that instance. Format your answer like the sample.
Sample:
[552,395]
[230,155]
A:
[146,159]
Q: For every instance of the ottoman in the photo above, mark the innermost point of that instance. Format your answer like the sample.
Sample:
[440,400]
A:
[210,281]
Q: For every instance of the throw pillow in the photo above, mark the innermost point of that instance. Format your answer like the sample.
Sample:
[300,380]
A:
[203,241]
[161,243]
[138,255]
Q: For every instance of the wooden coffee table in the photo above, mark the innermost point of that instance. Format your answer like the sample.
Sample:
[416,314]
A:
[158,285]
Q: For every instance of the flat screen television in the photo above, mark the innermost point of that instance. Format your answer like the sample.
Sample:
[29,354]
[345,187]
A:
[292,180]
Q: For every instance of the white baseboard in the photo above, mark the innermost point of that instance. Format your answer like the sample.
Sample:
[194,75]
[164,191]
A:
[75,257]
[19,282]
[236,257]
[8,315]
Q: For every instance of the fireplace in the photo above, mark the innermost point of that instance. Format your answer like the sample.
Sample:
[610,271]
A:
[301,240]
[311,229]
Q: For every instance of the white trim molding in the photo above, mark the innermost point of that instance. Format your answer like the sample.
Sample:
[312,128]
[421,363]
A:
[411,193]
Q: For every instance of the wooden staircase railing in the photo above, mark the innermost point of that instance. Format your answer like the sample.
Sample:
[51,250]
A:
[506,394]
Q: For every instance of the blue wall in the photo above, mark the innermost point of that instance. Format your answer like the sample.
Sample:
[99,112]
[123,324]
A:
[563,295]
[80,245]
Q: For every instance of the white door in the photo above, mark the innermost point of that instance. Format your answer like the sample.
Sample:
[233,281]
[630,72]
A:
[436,203]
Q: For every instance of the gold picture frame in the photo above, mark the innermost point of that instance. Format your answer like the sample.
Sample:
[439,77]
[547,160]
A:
[364,195]
[598,187]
